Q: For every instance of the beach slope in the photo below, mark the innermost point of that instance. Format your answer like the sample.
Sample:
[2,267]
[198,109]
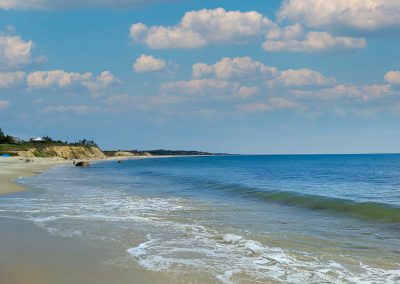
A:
[15,167]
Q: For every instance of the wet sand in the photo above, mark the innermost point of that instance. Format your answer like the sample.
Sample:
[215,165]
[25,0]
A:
[29,255]
[15,167]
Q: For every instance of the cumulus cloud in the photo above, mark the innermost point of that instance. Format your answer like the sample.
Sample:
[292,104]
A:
[4,104]
[289,32]
[61,4]
[199,86]
[245,92]
[363,93]
[311,42]
[148,63]
[274,103]
[361,15]
[11,79]
[55,78]
[14,52]
[203,27]
[63,79]
[206,87]
[393,77]
[228,68]
[302,78]
[101,82]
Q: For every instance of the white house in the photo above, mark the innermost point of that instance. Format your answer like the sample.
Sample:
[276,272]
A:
[37,139]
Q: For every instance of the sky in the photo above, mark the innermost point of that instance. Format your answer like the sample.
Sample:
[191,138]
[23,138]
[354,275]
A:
[251,77]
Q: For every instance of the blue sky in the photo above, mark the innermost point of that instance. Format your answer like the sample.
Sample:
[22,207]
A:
[290,76]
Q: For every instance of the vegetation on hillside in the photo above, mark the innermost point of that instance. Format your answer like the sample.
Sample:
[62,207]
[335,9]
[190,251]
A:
[7,139]
[11,145]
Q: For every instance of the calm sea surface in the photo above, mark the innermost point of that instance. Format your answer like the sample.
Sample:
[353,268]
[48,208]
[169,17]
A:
[231,219]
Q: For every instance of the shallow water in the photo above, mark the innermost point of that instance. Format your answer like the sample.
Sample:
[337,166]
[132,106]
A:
[230,219]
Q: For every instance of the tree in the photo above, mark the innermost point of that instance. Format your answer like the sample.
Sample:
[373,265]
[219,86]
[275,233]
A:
[2,136]
[47,139]
[86,142]
[6,139]
[9,140]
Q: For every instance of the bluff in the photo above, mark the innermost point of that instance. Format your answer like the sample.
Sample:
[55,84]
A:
[64,152]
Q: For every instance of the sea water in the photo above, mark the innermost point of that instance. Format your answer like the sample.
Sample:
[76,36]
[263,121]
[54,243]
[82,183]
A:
[230,219]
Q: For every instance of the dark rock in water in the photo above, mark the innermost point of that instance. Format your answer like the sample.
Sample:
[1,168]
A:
[82,164]
[119,162]
[28,160]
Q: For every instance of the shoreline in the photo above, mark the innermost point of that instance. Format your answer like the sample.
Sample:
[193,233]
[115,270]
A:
[13,168]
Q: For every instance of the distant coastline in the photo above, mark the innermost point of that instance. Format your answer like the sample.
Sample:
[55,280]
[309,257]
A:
[20,157]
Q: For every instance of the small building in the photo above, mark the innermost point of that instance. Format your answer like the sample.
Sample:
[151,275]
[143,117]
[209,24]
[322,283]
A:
[37,140]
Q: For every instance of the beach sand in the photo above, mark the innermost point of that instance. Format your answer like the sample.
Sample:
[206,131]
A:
[14,167]
[29,254]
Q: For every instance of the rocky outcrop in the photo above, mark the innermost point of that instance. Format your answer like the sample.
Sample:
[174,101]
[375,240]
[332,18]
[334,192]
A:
[83,164]
[63,152]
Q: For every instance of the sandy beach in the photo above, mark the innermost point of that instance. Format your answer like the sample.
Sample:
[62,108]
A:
[45,258]
[35,257]
[15,167]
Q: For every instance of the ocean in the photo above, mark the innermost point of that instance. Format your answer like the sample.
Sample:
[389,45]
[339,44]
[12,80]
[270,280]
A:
[229,219]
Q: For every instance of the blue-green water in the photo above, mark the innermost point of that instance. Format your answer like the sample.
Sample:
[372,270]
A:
[232,219]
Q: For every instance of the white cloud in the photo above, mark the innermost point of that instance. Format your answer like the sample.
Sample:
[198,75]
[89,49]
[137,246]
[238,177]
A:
[393,77]
[203,27]
[199,86]
[245,92]
[210,87]
[311,42]
[62,4]
[274,103]
[11,79]
[302,78]
[361,15]
[363,93]
[289,32]
[4,104]
[63,79]
[375,91]
[55,78]
[78,109]
[148,63]
[102,82]
[14,52]
[228,68]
